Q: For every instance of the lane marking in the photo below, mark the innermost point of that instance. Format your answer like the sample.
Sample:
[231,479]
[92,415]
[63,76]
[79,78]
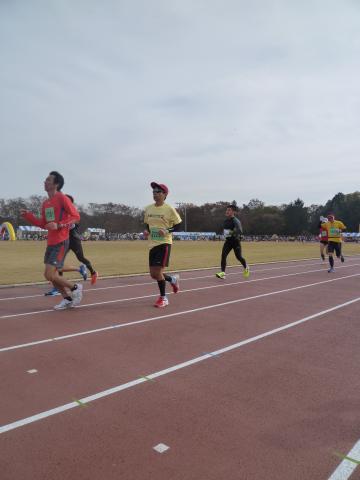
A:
[169,315]
[80,403]
[344,457]
[111,287]
[217,285]
[33,370]
[346,468]
[105,393]
[109,277]
[161,448]
[147,378]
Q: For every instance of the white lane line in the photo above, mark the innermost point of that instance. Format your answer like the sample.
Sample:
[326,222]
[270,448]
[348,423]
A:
[217,285]
[109,277]
[174,368]
[175,314]
[33,370]
[111,287]
[347,467]
[184,270]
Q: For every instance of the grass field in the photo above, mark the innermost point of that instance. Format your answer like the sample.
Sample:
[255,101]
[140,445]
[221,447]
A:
[22,261]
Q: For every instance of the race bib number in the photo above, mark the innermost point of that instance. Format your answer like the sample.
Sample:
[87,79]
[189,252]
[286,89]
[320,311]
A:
[334,232]
[155,235]
[227,232]
[323,233]
[50,214]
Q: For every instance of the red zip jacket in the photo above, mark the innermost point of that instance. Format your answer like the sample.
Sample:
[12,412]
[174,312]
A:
[58,209]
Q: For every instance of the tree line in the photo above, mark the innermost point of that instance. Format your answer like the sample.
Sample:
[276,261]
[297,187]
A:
[257,218]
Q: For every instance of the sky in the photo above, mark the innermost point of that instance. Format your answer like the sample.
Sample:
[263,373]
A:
[218,99]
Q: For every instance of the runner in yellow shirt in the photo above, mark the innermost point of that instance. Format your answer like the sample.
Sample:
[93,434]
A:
[334,229]
[161,220]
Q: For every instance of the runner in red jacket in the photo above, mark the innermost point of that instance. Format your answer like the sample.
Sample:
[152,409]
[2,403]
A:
[57,214]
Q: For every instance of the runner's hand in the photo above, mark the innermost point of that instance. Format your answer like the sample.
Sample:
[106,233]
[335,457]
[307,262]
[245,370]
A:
[51,226]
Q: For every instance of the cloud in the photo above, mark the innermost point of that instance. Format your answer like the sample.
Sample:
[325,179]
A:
[221,99]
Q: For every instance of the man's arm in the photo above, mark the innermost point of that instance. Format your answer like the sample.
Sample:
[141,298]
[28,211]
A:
[71,210]
[238,231]
[31,218]
[175,228]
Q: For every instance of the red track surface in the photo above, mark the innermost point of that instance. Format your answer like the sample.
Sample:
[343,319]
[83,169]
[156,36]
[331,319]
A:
[278,407]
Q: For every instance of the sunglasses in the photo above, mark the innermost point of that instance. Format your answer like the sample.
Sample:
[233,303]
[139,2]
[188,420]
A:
[158,190]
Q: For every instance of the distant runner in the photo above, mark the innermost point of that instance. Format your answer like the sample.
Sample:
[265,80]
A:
[334,229]
[233,234]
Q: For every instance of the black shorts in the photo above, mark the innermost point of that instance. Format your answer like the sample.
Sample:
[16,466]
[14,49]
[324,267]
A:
[324,242]
[335,247]
[159,256]
[55,254]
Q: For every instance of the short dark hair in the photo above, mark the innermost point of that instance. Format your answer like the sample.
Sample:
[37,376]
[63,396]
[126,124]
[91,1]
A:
[233,207]
[71,198]
[58,179]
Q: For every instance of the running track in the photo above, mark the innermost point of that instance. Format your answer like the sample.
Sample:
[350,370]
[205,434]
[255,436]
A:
[242,379]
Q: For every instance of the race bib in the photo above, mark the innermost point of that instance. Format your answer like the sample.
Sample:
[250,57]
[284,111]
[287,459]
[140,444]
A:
[323,233]
[154,234]
[334,232]
[50,214]
[227,232]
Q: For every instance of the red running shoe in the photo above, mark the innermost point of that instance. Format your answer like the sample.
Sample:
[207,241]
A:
[175,283]
[161,302]
[94,277]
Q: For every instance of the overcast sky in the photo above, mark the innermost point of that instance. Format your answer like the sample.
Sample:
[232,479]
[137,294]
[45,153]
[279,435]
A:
[219,99]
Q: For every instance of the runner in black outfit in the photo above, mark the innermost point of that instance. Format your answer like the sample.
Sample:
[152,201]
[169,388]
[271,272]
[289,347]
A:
[76,246]
[233,234]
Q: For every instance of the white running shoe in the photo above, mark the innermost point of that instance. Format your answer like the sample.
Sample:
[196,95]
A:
[77,295]
[64,304]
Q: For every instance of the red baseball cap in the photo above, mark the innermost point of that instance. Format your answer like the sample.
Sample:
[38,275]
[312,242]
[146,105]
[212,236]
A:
[162,187]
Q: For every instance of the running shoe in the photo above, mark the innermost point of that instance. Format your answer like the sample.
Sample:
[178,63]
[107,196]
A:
[175,283]
[331,270]
[161,302]
[246,272]
[342,259]
[64,304]
[220,275]
[94,277]
[52,293]
[77,295]
[83,272]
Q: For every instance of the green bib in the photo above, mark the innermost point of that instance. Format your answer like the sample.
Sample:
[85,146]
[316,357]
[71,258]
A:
[50,214]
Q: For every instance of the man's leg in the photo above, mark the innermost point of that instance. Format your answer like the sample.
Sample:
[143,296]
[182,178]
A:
[331,257]
[225,252]
[77,248]
[54,261]
[157,273]
[158,260]
[238,255]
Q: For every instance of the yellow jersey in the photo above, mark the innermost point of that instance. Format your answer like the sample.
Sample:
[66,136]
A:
[162,217]
[334,230]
